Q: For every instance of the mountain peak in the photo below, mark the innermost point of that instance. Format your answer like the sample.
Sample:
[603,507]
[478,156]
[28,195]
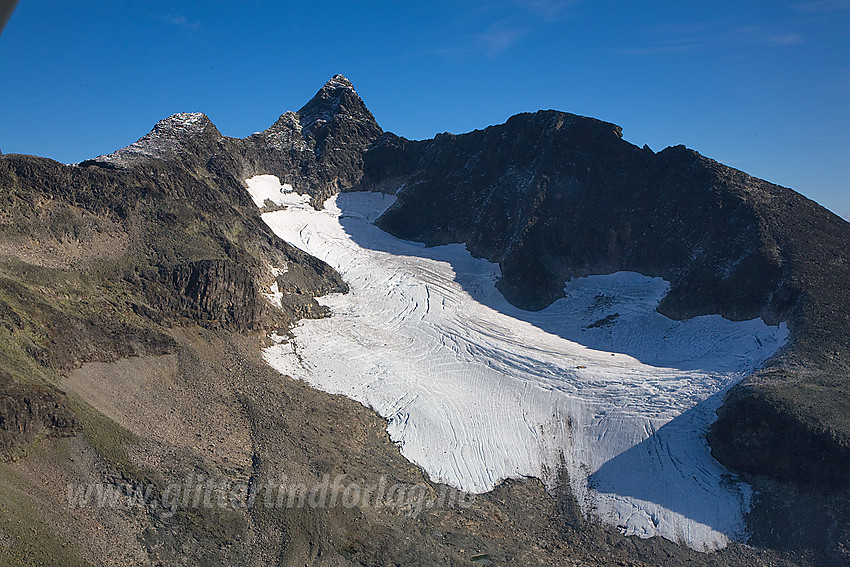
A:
[186,122]
[168,138]
[336,97]
[338,81]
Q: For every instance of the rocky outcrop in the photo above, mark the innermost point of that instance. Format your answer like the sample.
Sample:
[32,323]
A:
[215,290]
[762,436]
[29,413]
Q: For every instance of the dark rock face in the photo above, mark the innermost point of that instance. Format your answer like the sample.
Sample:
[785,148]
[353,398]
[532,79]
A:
[337,128]
[759,436]
[216,290]
[551,196]
[29,413]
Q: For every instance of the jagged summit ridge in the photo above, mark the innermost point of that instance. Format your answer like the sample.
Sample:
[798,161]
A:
[318,150]
[293,148]
[169,138]
[339,81]
[185,121]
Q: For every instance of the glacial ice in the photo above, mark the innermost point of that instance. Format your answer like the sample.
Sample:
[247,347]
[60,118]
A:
[476,391]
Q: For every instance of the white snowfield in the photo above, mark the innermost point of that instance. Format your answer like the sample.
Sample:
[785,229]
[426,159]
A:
[476,391]
[264,188]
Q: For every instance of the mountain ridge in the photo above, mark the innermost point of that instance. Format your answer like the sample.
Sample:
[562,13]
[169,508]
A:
[317,150]
[590,200]
[548,195]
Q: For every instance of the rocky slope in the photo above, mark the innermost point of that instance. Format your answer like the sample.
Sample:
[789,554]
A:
[156,252]
[97,263]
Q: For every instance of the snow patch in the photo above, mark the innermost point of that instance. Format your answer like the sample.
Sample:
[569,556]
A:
[276,271]
[275,296]
[476,390]
[264,188]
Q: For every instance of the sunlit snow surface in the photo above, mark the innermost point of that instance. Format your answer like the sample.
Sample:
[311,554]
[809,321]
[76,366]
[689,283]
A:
[476,390]
[264,188]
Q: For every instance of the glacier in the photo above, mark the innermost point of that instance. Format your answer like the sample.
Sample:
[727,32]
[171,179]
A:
[474,390]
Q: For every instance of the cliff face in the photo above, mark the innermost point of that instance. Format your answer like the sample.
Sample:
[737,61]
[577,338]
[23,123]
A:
[29,413]
[551,196]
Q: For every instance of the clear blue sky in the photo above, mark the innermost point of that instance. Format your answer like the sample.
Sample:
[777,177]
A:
[763,86]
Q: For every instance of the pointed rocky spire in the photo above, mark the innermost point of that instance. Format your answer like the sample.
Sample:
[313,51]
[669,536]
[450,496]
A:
[337,97]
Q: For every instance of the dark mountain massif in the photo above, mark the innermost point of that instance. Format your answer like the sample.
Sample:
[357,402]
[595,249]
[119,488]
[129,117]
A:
[132,313]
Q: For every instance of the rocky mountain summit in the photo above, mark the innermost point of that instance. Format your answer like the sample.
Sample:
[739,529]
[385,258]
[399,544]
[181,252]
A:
[173,138]
[132,308]
[318,150]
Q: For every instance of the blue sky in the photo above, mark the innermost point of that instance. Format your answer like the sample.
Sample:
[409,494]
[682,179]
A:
[763,86]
